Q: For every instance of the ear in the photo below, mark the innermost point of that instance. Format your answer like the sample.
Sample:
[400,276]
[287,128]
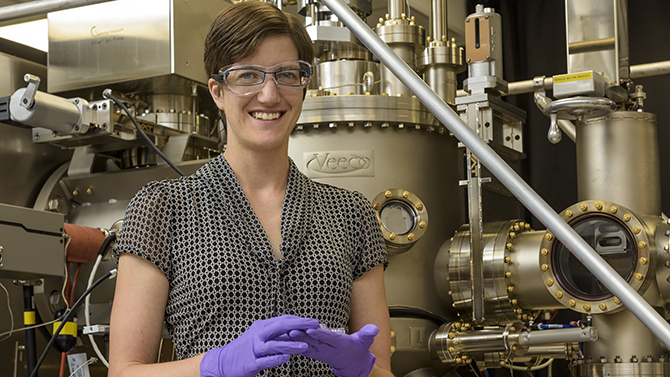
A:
[216,91]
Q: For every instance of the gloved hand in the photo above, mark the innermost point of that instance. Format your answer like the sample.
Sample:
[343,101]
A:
[348,354]
[257,348]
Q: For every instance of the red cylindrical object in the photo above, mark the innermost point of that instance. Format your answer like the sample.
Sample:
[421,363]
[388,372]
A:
[84,244]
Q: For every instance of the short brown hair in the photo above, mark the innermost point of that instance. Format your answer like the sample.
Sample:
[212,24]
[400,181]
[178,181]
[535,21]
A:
[239,29]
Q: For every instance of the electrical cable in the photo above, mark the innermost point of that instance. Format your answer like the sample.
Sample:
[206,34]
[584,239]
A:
[11,315]
[415,312]
[530,369]
[88,362]
[33,327]
[111,274]
[87,313]
[107,93]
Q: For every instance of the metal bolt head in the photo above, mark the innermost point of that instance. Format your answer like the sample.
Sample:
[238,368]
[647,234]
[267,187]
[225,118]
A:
[599,205]
[544,267]
[568,213]
[642,244]
[89,191]
[508,259]
[559,294]
[602,306]
[616,301]
[636,229]
[643,260]
[587,307]
[583,207]
[419,207]
[572,303]
[550,282]
[75,193]
[387,194]
[508,274]
[512,234]
[510,288]
[514,301]
[626,217]
[392,236]
[544,251]
[613,209]
[376,206]
[410,236]
[548,236]
[405,194]
[509,245]
[638,276]
[422,224]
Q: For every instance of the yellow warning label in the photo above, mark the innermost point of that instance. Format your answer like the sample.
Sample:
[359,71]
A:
[573,77]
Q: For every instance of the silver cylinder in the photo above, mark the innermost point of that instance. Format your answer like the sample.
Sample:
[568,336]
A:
[33,8]
[49,111]
[396,8]
[442,79]
[438,22]
[618,161]
[344,77]
[570,335]
[389,82]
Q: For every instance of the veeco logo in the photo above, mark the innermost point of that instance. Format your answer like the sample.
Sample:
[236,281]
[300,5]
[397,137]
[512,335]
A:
[340,163]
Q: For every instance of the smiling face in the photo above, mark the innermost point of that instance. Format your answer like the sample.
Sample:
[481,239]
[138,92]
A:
[261,121]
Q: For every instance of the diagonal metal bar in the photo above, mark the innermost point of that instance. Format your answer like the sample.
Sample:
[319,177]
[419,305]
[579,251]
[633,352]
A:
[496,165]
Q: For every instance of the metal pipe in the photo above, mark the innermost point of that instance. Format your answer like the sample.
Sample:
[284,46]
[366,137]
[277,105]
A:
[650,69]
[517,186]
[590,46]
[636,71]
[571,335]
[438,24]
[41,7]
[396,8]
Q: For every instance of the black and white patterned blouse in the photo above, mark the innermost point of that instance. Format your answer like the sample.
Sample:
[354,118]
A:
[202,233]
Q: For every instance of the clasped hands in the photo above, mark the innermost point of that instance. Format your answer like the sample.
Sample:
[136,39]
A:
[270,342]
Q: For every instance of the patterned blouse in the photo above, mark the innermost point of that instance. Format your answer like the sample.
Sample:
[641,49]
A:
[202,233]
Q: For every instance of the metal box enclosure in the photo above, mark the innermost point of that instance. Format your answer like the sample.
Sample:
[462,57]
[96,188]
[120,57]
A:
[127,40]
[31,243]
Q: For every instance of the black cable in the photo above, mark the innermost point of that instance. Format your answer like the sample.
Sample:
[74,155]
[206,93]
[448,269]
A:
[108,241]
[107,93]
[67,318]
[417,313]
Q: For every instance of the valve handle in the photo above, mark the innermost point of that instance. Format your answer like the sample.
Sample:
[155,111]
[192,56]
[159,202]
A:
[28,98]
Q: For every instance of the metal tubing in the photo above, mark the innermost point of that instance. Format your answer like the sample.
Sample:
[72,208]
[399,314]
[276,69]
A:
[636,71]
[650,69]
[396,8]
[438,23]
[571,335]
[517,186]
[590,46]
[41,7]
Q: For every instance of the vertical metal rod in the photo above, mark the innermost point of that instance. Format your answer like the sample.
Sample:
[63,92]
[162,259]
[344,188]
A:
[29,320]
[396,8]
[438,23]
[517,186]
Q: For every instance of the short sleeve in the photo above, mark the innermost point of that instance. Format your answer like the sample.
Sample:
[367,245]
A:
[146,226]
[372,246]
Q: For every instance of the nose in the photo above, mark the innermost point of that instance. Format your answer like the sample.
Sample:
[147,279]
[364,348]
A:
[269,92]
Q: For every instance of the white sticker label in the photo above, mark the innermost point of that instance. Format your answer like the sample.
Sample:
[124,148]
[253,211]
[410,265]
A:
[78,365]
[339,164]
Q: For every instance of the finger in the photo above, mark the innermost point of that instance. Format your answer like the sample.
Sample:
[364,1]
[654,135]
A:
[271,361]
[367,333]
[326,336]
[273,347]
[282,325]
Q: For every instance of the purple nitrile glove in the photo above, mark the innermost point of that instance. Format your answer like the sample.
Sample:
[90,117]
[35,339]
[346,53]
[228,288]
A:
[257,348]
[348,354]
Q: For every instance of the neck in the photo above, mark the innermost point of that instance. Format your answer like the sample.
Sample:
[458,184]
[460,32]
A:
[259,171]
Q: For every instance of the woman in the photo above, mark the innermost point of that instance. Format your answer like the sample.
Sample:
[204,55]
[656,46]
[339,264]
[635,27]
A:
[247,258]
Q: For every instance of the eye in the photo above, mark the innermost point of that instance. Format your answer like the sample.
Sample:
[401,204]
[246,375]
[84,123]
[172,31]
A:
[245,76]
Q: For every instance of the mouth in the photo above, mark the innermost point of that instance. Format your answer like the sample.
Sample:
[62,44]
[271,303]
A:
[266,116]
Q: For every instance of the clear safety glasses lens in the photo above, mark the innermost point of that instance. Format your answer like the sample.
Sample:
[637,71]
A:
[248,79]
